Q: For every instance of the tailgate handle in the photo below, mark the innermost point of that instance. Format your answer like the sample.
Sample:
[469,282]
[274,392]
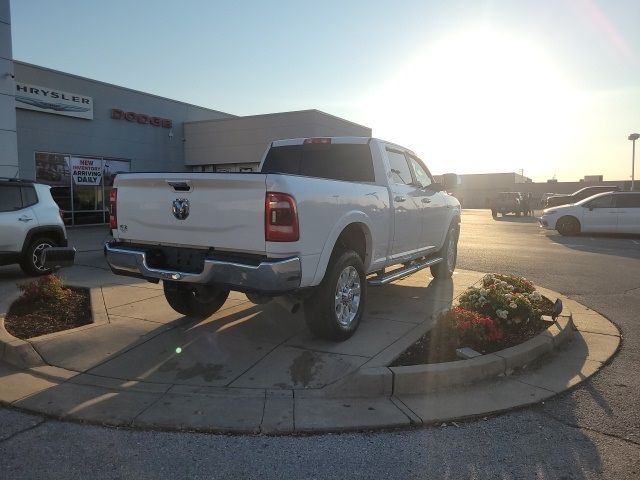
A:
[180,186]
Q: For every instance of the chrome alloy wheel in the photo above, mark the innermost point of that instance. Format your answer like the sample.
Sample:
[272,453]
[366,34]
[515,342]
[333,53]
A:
[36,258]
[451,253]
[347,299]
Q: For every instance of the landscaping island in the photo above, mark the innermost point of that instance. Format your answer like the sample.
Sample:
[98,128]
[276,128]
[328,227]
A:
[47,306]
[504,311]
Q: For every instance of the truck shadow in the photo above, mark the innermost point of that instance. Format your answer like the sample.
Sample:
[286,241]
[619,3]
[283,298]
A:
[132,363]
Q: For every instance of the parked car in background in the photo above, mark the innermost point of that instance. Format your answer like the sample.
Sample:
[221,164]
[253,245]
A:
[320,216]
[507,202]
[613,212]
[543,199]
[30,223]
[565,199]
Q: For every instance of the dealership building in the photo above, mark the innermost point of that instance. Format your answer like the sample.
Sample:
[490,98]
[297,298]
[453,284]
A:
[76,133]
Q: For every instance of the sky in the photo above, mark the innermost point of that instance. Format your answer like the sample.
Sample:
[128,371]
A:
[550,87]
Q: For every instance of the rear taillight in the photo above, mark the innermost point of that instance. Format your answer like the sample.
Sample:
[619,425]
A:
[113,212]
[280,218]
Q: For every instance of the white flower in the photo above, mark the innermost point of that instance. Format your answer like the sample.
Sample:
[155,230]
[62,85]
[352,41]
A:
[502,314]
[513,305]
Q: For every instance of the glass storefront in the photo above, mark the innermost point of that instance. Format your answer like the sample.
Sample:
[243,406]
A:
[80,184]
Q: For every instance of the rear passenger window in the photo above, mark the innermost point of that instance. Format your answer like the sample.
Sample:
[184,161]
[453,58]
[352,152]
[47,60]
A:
[628,200]
[348,162]
[29,196]
[10,198]
[400,172]
[601,202]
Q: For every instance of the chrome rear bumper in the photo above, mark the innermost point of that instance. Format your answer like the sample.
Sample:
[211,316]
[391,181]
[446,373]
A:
[275,276]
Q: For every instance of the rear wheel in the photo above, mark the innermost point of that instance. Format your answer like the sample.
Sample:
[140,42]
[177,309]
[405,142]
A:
[335,308]
[568,226]
[449,254]
[31,262]
[194,300]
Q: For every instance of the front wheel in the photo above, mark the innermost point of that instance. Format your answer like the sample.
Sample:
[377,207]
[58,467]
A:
[335,308]
[194,300]
[449,254]
[568,226]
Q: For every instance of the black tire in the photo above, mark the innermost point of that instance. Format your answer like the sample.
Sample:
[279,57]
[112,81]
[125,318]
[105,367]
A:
[446,267]
[30,262]
[494,213]
[568,226]
[518,213]
[194,300]
[320,309]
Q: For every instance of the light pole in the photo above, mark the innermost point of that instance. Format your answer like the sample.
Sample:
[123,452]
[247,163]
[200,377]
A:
[633,137]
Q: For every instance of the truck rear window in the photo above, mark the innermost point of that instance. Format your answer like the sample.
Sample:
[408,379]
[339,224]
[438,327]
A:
[349,162]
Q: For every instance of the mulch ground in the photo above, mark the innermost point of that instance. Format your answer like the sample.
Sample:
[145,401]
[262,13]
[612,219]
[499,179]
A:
[28,319]
[438,345]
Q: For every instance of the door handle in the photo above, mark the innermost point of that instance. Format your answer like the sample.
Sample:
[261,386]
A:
[426,200]
[25,219]
[399,198]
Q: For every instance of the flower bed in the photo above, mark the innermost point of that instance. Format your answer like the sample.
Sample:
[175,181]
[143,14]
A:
[504,311]
[47,306]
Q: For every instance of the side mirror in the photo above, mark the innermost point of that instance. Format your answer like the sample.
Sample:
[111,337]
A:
[449,181]
[434,187]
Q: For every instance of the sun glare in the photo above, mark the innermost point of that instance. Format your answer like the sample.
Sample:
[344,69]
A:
[479,101]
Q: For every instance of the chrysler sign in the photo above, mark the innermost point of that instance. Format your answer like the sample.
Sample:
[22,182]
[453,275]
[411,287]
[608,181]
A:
[44,99]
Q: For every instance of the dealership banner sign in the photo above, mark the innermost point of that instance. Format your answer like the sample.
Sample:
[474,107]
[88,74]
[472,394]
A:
[44,99]
[86,171]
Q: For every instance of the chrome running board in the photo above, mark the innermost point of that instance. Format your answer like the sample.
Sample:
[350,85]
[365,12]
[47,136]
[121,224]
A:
[403,272]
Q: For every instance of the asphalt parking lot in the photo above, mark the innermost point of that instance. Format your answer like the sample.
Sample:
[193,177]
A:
[590,432]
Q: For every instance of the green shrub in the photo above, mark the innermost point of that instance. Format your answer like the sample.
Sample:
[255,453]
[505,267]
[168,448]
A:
[512,308]
[49,288]
[509,282]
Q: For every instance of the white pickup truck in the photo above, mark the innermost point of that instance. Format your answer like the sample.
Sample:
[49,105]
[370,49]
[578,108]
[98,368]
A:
[322,218]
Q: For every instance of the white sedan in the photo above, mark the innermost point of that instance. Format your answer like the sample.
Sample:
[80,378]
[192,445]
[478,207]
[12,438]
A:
[612,212]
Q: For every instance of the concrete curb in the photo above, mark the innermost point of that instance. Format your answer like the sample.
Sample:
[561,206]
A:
[417,379]
[21,353]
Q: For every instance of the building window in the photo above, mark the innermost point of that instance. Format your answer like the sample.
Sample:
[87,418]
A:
[80,184]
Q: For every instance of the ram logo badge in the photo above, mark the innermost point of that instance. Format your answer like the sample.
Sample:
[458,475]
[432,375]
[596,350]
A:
[180,208]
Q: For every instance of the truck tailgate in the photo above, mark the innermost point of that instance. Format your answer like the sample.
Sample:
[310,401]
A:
[225,211]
